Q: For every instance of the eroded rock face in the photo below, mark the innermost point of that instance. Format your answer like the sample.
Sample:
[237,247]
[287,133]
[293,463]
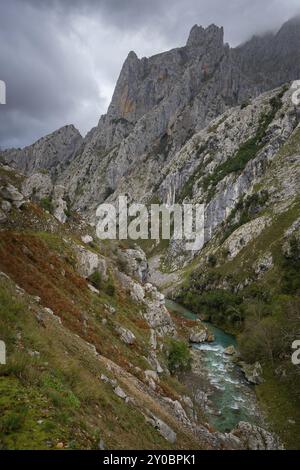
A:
[135,263]
[37,186]
[256,438]
[264,264]
[244,235]
[60,206]
[156,314]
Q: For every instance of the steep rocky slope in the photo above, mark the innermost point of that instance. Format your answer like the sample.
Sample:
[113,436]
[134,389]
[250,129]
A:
[89,343]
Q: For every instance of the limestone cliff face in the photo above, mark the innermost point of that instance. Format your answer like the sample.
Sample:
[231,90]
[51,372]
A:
[160,102]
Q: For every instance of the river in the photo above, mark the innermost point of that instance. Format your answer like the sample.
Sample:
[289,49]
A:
[232,398]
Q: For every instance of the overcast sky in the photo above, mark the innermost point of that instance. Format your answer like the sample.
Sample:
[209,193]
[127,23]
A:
[60,59]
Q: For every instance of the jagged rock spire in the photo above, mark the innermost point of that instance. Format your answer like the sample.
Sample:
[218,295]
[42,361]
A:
[199,35]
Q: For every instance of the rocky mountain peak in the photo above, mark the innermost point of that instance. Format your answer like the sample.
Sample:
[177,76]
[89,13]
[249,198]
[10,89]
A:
[132,56]
[199,36]
[290,31]
[50,153]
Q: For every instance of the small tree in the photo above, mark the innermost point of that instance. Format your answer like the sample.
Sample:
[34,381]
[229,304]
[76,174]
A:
[96,279]
[212,260]
[179,359]
[46,204]
[110,289]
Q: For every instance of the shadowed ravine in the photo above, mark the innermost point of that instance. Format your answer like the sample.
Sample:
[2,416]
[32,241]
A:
[231,398]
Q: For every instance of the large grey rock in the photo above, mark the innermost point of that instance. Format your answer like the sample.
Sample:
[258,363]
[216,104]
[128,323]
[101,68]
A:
[156,314]
[178,410]
[253,372]
[126,335]
[11,194]
[6,206]
[87,239]
[256,438]
[163,429]
[37,186]
[135,263]
[60,206]
[89,262]
[120,393]
[230,351]
[198,335]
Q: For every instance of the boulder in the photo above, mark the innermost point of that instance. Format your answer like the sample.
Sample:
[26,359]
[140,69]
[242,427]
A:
[89,262]
[152,359]
[163,429]
[198,335]
[101,445]
[156,314]
[230,351]
[107,380]
[110,309]
[60,206]
[93,289]
[6,206]
[126,335]
[120,393]
[178,410]
[87,239]
[153,340]
[137,292]
[151,374]
[135,263]
[12,195]
[253,372]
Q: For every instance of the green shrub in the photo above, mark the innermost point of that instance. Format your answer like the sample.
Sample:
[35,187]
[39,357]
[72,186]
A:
[291,269]
[96,280]
[110,289]
[46,204]
[179,358]
[12,422]
[212,260]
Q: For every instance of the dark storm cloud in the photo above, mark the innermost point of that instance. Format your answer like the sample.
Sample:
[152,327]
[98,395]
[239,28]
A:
[61,58]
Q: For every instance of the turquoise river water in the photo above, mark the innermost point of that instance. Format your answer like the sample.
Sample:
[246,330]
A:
[232,398]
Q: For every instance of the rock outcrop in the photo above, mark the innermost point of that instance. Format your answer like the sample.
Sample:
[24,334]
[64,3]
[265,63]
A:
[255,438]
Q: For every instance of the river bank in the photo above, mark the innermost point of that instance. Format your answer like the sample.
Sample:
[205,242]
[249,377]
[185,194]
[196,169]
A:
[218,384]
